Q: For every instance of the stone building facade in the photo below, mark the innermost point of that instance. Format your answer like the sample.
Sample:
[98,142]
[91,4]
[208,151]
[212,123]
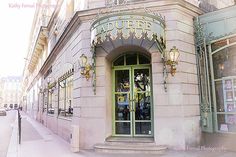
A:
[97,74]
[217,58]
[10,92]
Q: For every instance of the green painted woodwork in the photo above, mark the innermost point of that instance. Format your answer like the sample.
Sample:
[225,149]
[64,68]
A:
[204,80]
[224,19]
[209,40]
[131,93]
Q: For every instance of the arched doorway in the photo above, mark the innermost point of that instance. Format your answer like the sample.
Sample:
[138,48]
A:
[132,96]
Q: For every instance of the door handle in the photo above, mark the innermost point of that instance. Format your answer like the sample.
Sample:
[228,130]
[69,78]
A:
[130,106]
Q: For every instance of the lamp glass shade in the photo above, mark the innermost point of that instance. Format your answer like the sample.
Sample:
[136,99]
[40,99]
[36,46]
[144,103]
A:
[221,66]
[83,60]
[174,54]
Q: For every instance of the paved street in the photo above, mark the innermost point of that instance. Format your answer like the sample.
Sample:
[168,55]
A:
[6,131]
[38,141]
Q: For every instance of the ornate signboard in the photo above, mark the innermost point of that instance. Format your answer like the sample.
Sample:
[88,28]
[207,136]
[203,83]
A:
[123,25]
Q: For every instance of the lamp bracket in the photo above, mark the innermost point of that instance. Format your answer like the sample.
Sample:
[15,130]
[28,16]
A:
[172,62]
[85,67]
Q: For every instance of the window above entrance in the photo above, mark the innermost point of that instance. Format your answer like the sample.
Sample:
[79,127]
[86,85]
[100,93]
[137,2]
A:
[131,59]
[120,2]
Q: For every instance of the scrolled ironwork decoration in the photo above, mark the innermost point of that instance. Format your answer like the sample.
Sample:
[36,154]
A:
[85,66]
[169,58]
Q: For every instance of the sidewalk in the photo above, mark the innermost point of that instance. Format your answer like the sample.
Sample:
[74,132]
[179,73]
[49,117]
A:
[38,141]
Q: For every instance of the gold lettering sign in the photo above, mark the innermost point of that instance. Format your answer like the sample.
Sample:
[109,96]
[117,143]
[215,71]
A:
[127,23]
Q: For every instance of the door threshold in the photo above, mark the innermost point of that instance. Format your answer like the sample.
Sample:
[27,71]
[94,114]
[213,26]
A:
[131,139]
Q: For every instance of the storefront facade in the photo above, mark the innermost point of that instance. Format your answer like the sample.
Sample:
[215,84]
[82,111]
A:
[217,60]
[102,75]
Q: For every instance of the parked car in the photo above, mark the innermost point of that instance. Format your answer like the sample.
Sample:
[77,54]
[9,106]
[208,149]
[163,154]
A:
[3,112]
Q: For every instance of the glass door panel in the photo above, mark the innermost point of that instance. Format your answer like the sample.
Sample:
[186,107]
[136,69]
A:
[143,128]
[132,102]
[123,128]
[122,107]
[122,115]
[122,81]
[142,80]
[142,106]
[142,102]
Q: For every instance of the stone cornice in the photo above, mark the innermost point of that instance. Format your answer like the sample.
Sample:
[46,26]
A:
[38,48]
[158,6]
[64,38]
[54,15]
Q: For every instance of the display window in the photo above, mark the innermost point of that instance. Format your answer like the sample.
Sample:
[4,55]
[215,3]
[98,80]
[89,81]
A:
[224,89]
[65,97]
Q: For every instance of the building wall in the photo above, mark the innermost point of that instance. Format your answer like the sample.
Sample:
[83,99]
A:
[167,123]
[225,3]
[93,113]
[182,95]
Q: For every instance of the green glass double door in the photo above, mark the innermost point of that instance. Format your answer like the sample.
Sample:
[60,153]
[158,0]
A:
[132,101]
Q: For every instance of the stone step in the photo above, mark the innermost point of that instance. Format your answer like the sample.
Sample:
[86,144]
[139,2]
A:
[129,148]
[136,140]
[130,143]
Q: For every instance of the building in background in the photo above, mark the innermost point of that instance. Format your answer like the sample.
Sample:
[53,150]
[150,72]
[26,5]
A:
[213,5]
[98,74]
[10,91]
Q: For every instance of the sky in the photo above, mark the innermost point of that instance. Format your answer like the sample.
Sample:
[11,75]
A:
[16,20]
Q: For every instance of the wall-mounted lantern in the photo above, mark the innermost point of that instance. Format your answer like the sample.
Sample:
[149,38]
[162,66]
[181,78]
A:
[172,59]
[85,67]
[56,32]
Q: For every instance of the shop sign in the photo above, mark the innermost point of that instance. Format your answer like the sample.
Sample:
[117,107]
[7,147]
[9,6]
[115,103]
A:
[124,25]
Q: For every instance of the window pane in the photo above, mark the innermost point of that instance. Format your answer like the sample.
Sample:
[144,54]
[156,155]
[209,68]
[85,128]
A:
[226,95]
[143,128]
[45,101]
[65,97]
[142,80]
[122,107]
[219,96]
[122,81]
[224,62]
[50,103]
[62,87]
[232,40]
[119,2]
[69,88]
[218,44]
[131,59]
[142,106]
[226,123]
[143,60]
[123,128]
[120,61]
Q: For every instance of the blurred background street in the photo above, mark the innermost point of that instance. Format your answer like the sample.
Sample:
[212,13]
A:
[6,131]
